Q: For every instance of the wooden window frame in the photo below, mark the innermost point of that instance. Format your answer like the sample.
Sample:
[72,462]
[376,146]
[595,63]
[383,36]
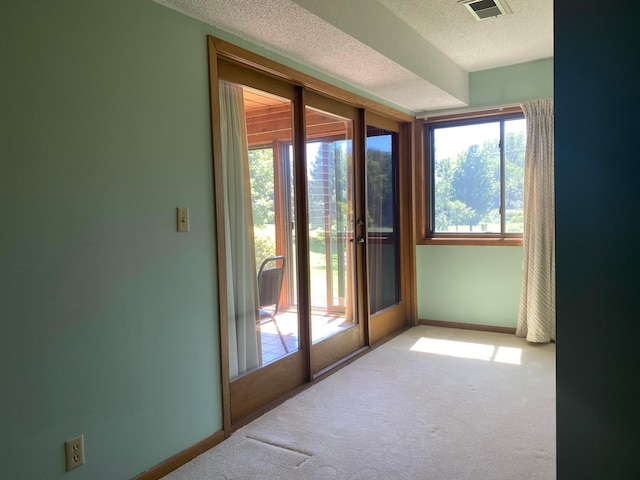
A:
[423,184]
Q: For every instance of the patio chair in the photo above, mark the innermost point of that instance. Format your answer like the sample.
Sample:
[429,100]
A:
[269,288]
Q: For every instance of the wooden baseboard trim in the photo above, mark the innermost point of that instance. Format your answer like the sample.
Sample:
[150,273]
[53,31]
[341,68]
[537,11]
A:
[179,459]
[467,326]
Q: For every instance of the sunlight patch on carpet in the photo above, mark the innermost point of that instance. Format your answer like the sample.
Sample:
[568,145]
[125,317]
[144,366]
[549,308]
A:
[475,351]
[508,355]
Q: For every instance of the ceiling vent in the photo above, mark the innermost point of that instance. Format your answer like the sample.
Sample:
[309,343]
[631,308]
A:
[483,9]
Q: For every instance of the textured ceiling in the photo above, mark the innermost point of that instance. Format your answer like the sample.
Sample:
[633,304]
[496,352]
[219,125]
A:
[523,36]
[413,53]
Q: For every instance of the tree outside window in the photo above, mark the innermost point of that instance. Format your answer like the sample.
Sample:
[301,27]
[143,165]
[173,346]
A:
[477,173]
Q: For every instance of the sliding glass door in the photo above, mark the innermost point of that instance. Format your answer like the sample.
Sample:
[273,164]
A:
[383,226]
[331,213]
[308,234]
[382,219]
[255,210]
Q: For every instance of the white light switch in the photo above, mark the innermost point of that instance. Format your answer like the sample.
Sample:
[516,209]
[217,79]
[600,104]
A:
[183,219]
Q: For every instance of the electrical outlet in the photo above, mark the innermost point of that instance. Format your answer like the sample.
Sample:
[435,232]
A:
[74,450]
[183,219]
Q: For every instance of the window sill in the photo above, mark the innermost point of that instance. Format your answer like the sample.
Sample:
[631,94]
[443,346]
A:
[461,241]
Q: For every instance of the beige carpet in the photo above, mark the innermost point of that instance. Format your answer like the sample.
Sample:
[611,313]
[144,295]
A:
[433,403]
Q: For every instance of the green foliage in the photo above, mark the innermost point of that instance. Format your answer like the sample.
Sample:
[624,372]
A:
[514,170]
[262,185]
[380,193]
[476,182]
[467,188]
[514,220]
[443,193]
[327,187]
[460,213]
[262,189]
[264,244]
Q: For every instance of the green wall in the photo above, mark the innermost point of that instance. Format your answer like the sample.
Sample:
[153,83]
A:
[109,317]
[480,284]
[469,284]
[511,84]
[508,85]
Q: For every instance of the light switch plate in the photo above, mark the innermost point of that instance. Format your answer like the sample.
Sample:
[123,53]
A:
[183,219]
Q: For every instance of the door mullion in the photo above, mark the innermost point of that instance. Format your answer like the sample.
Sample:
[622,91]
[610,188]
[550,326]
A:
[360,229]
[301,225]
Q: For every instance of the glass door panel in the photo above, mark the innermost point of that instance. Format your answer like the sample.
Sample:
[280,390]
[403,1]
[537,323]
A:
[295,257]
[382,219]
[301,257]
[263,325]
[329,158]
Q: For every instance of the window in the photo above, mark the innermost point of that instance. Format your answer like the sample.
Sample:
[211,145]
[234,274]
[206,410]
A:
[475,178]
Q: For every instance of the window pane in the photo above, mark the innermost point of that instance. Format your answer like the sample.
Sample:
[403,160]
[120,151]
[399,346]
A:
[268,120]
[382,234]
[330,212]
[467,178]
[261,178]
[515,142]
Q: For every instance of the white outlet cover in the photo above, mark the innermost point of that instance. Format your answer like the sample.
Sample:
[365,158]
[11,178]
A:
[74,452]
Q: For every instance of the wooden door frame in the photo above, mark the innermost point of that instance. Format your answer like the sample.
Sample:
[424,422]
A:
[333,349]
[384,323]
[255,65]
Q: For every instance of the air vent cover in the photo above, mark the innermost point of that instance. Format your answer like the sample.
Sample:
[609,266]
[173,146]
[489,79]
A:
[483,9]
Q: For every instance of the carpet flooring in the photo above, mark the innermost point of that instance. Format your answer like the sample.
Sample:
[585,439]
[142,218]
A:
[433,403]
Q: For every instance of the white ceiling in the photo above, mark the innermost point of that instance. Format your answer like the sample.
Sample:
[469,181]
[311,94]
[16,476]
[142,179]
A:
[416,54]
[523,36]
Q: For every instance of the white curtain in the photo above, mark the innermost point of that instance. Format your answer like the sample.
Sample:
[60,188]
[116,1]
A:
[537,312]
[238,226]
